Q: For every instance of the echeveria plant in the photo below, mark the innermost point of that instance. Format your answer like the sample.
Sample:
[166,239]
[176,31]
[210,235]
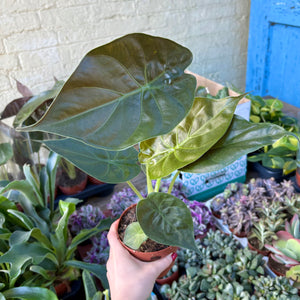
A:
[135,91]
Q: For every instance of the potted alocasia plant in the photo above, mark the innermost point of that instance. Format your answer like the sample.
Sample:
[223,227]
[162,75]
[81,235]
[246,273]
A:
[135,91]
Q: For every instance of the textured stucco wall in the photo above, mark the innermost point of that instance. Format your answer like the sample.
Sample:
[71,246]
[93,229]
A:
[40,39]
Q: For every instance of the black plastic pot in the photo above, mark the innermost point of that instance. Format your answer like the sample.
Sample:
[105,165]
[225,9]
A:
[265,172]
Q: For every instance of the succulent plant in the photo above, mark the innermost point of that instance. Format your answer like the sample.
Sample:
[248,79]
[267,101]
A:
[201,215]
[278,288]
[245,204]
[86,217]
[100,250]
[285,250]
[217,203]
[294,274]
[121,200]
[211,247]
[293,227]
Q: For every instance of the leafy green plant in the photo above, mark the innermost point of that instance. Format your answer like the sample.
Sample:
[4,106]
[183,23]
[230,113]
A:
[285,250]
[39,240]
[26,111]
[134,91]
[282,153]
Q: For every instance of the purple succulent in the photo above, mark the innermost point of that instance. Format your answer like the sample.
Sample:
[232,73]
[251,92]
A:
[85,217]
[201,215]
[121,200]
[100,250]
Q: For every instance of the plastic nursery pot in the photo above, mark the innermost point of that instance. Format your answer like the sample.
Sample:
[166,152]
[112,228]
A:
[253,248]
[148,256]
[74,189]
[265,172]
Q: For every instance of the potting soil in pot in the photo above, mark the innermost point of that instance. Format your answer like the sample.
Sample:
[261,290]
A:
[148,245]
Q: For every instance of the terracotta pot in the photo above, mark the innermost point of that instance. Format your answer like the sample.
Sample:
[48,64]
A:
[240,234]
[149,256]
[69,290]
[94,180]
[277,268]
[71,190]
[83,249]
[262,252]
[62,288]
[216,214]
[168,280]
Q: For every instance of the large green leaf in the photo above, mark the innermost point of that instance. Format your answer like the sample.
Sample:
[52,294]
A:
[6,152]
[129,90]
[29,293]
[241,138]
[205,124]
[20,254]
[25,188]
[60,238]
[106,166]
[166,220]
[96,269]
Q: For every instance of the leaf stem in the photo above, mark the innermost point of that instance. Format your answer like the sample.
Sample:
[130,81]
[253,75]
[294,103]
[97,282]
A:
[173,182]
[135,190]
[157,185]
[149,183]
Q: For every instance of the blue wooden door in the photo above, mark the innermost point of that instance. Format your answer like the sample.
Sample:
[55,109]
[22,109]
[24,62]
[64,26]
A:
[273,66]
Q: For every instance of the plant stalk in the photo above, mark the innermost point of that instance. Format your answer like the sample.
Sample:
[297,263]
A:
[135,190]
[173,182]
[157,185]
[149,183]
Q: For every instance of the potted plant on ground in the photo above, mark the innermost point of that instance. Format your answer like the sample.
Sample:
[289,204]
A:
[279,159]
[134,91]
[39,235]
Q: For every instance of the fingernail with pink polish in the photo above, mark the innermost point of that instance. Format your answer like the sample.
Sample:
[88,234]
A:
[174,255]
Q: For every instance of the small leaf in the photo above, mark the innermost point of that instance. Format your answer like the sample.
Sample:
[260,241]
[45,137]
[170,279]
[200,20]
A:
[23,89]
[134,236]
[166,220]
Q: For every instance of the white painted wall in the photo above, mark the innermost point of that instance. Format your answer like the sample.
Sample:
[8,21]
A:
[40,39]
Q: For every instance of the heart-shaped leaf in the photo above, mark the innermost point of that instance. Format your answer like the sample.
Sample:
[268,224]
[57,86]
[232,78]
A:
[166,220]
[241,138]
[134,236]
[205,124]
[129,90]
[106,166]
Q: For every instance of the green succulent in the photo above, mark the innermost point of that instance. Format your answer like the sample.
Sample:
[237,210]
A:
[278,288]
